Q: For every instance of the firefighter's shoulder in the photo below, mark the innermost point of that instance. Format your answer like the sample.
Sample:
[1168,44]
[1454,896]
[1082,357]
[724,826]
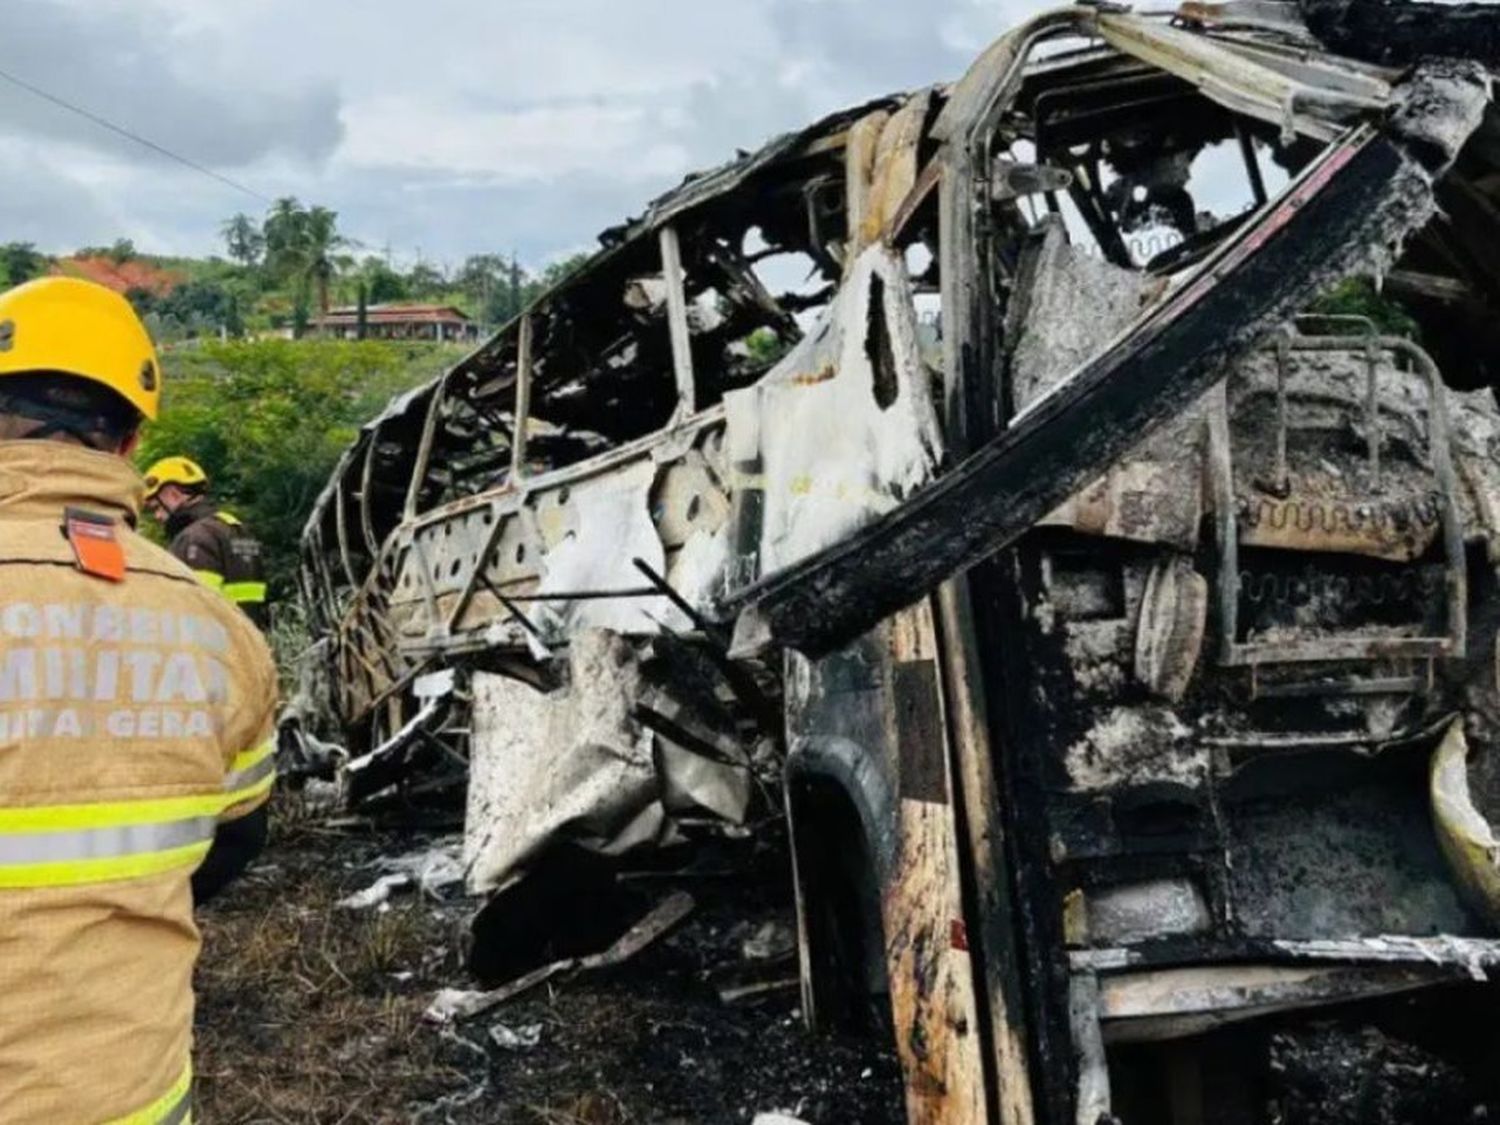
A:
[89,532]
[204,547]
[152,577]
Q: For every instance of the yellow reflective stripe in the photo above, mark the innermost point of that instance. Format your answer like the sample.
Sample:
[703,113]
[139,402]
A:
[210,578]
[111,869]
[251,773]
[245,591]
[66,818]
[172,1108]
[67,845]
[251,792]
[252,757]
[20,849]
[230,518]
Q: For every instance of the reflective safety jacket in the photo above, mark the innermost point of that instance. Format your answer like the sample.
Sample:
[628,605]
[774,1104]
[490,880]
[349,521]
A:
[224,556]
[136,716]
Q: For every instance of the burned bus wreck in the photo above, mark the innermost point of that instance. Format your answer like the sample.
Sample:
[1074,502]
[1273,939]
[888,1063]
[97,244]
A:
[1122,620]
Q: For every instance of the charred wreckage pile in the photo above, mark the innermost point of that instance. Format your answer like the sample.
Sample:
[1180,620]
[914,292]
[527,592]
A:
[965,476]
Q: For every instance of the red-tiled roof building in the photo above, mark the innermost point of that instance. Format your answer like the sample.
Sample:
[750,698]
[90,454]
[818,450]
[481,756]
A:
[398,322]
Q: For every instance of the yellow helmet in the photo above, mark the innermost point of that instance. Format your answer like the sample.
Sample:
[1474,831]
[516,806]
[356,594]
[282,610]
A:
[174,470]
[76,327]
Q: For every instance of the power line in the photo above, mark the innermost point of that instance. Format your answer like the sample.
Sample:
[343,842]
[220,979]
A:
[128,135]
[104,123]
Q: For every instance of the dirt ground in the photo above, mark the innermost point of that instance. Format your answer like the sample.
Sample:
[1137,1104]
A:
[312,1013]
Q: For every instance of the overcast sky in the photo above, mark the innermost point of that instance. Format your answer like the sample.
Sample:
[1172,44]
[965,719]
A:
[453,126]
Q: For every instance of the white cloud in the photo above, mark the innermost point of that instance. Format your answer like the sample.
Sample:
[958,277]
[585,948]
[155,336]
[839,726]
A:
[535,144]
[457,125]
[147,77]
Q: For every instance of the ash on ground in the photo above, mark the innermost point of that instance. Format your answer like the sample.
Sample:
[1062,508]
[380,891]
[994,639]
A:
[309,1011]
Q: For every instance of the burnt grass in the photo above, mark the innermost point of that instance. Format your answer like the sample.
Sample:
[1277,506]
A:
[310,1013]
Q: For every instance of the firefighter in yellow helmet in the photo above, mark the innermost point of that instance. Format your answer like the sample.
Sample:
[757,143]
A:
[136,712]
[213,543]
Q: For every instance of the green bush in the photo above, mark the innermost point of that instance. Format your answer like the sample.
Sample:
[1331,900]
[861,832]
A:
[1357,296]
[267,420]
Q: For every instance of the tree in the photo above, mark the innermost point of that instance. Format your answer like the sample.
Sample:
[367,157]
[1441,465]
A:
[244,239]
[302,247]
[562,269]
[517,289]
[480,276]
[425,280]
[301,314]
[495,285]
[234,323]
[283,233]
[142,300]
[122,251]
[515,296]
[21,261]
[381,283]
[197,306]
[321,243]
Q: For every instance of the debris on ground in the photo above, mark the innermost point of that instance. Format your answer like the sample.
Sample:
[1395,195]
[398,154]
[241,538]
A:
[1340,1076]
[308,1014]
[431,871]
[744,993]
[451,1005]
[376,894]
[770,941]
[522,1038]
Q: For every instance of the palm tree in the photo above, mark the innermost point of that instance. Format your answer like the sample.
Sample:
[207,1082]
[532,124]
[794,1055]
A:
[302,247]
[321,243]
[284,237]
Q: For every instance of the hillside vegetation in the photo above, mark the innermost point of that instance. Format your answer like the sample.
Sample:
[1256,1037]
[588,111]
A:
[268,419]
[278,274]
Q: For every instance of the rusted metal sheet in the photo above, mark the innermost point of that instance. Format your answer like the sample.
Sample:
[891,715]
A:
[931,973]
[893,173]
[991,924]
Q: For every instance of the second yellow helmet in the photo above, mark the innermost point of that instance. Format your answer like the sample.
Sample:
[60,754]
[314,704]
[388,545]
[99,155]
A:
[174,470]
